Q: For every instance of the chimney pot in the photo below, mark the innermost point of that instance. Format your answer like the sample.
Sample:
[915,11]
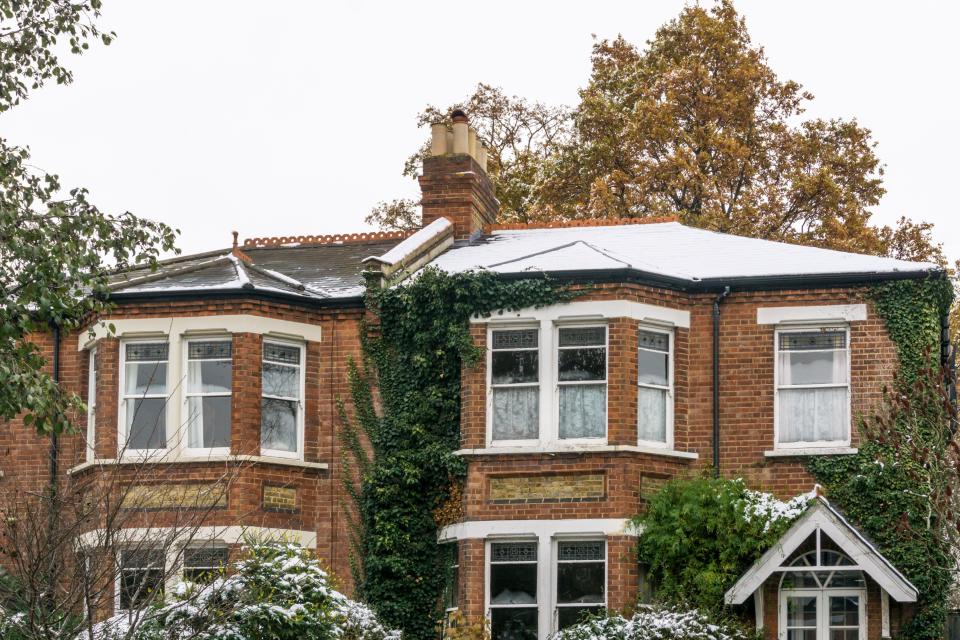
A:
[459,116]
[438,139]
[461,143]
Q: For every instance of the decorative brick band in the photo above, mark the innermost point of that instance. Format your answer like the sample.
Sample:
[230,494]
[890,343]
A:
[152,497]
[336,238]
[571,487]
[564,224]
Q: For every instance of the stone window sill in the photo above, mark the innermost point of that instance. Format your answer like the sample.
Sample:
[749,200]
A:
[596,448]
[286,462]
[811,451]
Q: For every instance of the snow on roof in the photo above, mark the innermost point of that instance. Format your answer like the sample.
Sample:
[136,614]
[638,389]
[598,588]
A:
[414,242]
[668,250]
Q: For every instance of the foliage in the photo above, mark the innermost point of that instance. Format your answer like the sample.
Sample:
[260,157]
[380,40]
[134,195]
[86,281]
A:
[655,624]
[279,591]
[414,355]
[699,535]
[901,487]
[56,248]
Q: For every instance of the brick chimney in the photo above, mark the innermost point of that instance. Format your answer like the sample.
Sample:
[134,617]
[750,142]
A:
[454,183]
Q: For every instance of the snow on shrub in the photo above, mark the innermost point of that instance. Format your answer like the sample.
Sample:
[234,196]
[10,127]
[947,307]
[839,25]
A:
[653,624]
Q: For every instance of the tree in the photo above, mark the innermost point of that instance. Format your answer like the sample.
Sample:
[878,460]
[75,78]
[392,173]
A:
[57,249]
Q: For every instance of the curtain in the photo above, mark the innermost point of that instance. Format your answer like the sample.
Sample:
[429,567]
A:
[812,415]
[652,420]
[813,367]
[583,411]
[516,413]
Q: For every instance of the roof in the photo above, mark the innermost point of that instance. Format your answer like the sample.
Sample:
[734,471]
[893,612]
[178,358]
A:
[669,252]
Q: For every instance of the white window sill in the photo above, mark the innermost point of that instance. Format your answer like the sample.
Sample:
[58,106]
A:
[287,462]
[811,451]
[586,448]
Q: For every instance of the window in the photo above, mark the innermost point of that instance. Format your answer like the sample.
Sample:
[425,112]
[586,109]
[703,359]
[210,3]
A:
[281,421]
[451,590]
[826,601]
[92,404]
[201,565]
[145,395]
[209,382]
[513,590]
[515,384]
[141,578]
[813,387]
[582,382]
[581,578]
[654,388]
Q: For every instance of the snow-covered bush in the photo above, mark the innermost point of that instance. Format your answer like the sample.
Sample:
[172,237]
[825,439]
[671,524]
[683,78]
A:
[653,624]
[277,592]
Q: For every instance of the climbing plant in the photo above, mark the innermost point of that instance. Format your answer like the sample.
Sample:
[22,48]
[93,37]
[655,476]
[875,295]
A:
[400,462]
[899,488]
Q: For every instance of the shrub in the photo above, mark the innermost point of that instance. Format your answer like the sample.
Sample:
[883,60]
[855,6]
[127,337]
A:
[655,624]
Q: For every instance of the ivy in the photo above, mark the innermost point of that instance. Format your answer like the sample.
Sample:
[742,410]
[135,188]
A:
[886,492]
[413,355]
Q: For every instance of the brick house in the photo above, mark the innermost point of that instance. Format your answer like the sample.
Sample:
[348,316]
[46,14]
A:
[688,349]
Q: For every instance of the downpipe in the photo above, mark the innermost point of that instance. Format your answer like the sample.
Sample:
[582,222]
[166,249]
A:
[716,380]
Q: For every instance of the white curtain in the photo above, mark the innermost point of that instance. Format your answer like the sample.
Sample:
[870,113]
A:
[813,367]
[652,414]
[516,413]
[812,415]
[195,422]
[583,411]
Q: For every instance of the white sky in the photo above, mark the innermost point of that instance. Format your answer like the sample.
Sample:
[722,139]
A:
[296,117]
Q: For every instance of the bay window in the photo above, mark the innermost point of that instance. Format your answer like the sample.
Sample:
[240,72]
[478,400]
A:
[581,580]
[812,387]
[515,384]
[144,401]
[513,590]
[281,417]
[208,392]
[654,388]
[582,382]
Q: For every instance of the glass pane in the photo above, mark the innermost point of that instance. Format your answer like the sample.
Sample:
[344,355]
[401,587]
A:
[515,339]
[847,579]
[513,584]
[577,550]
[451,586]
[211,349]
[281,380]
[203,564]
[811,415]
[209,419]
[834,559]
[802,611]
[141,587]
[513,552]
[569,616]
[278,424]
[516,413]
[580,582]
[145,378]
[146,423]
[652,368]
[583,411]
[806,340]
[800,580]
[654,340]
[844,611]
[801,634]
[844,634]
[285,353]
[583,336]
[145,351]
[513,624]
[209,376]
[652,414]
[511,367]
[582,364]
[813,367]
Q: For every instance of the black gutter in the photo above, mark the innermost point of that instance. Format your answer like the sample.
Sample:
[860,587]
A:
[348,302]
[716,380]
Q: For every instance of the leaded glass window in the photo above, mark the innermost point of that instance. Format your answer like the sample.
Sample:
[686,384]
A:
[654,386]
[513,590]
[281,419]
[141,578]
[201,565]
[515,384]
[144,390]
[582,382]
[209,391]
[581,580]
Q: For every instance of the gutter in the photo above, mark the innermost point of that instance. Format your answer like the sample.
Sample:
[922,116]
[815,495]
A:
[346,302]
[716,380]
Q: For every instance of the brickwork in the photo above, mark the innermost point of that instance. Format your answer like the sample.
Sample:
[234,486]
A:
[277,498]
[570,487]
[456,188]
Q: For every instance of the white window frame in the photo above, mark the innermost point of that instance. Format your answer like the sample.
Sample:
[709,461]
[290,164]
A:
[540,605]
[823,613]
[200,452]
[181,568]
[668,442]
[118,578]
[557,384]
[171,430]
[811,444]
[91,404]
[555,561]
[301,401]
[539,384]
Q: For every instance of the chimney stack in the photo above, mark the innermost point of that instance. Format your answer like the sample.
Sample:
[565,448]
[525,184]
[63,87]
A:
[454,183]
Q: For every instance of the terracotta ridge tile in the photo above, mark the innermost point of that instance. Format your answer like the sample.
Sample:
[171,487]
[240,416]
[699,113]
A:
[362,237]
[565,224]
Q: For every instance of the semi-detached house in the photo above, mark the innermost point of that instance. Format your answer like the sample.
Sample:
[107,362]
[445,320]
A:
[688,349]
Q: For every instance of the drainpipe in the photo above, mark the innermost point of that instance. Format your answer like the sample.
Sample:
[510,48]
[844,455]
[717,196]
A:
[54,440]
[948,359]
[716,380]
[52,489]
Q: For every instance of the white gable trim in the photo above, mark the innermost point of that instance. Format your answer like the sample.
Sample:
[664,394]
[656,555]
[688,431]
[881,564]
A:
[820,516]
[594,309]
[819,313]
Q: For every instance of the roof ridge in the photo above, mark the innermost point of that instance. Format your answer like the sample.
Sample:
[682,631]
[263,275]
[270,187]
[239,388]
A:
[362,237]
[565,224]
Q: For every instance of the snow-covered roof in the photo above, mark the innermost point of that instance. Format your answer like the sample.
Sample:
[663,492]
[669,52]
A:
[667,250]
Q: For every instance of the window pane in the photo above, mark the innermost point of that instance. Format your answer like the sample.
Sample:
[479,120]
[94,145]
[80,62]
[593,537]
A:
[652,414]
[583,411]
[844,611]
[145,378]
[145,351]
[515,339]
[203,564]
[281,380]
[580,582]
[511,367]
[451,589]
[516,413]
[803,634]
[582,364]
[582,336]
[285,353]
[513,624]
[513,583]
[813,415]
[569,616]
[141,577]
[210,349]
[278,425]
[654,340]
[807,340]
[652,368]
[513,552]
[209,376]
[581,550]
[844,634]
[209,422]
[802,611]
[800,580]
[146,423]
[813,367]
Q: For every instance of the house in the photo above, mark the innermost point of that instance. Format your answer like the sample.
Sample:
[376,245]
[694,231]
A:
[687,349]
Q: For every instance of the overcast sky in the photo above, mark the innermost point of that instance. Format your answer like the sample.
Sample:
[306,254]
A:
[277,118]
